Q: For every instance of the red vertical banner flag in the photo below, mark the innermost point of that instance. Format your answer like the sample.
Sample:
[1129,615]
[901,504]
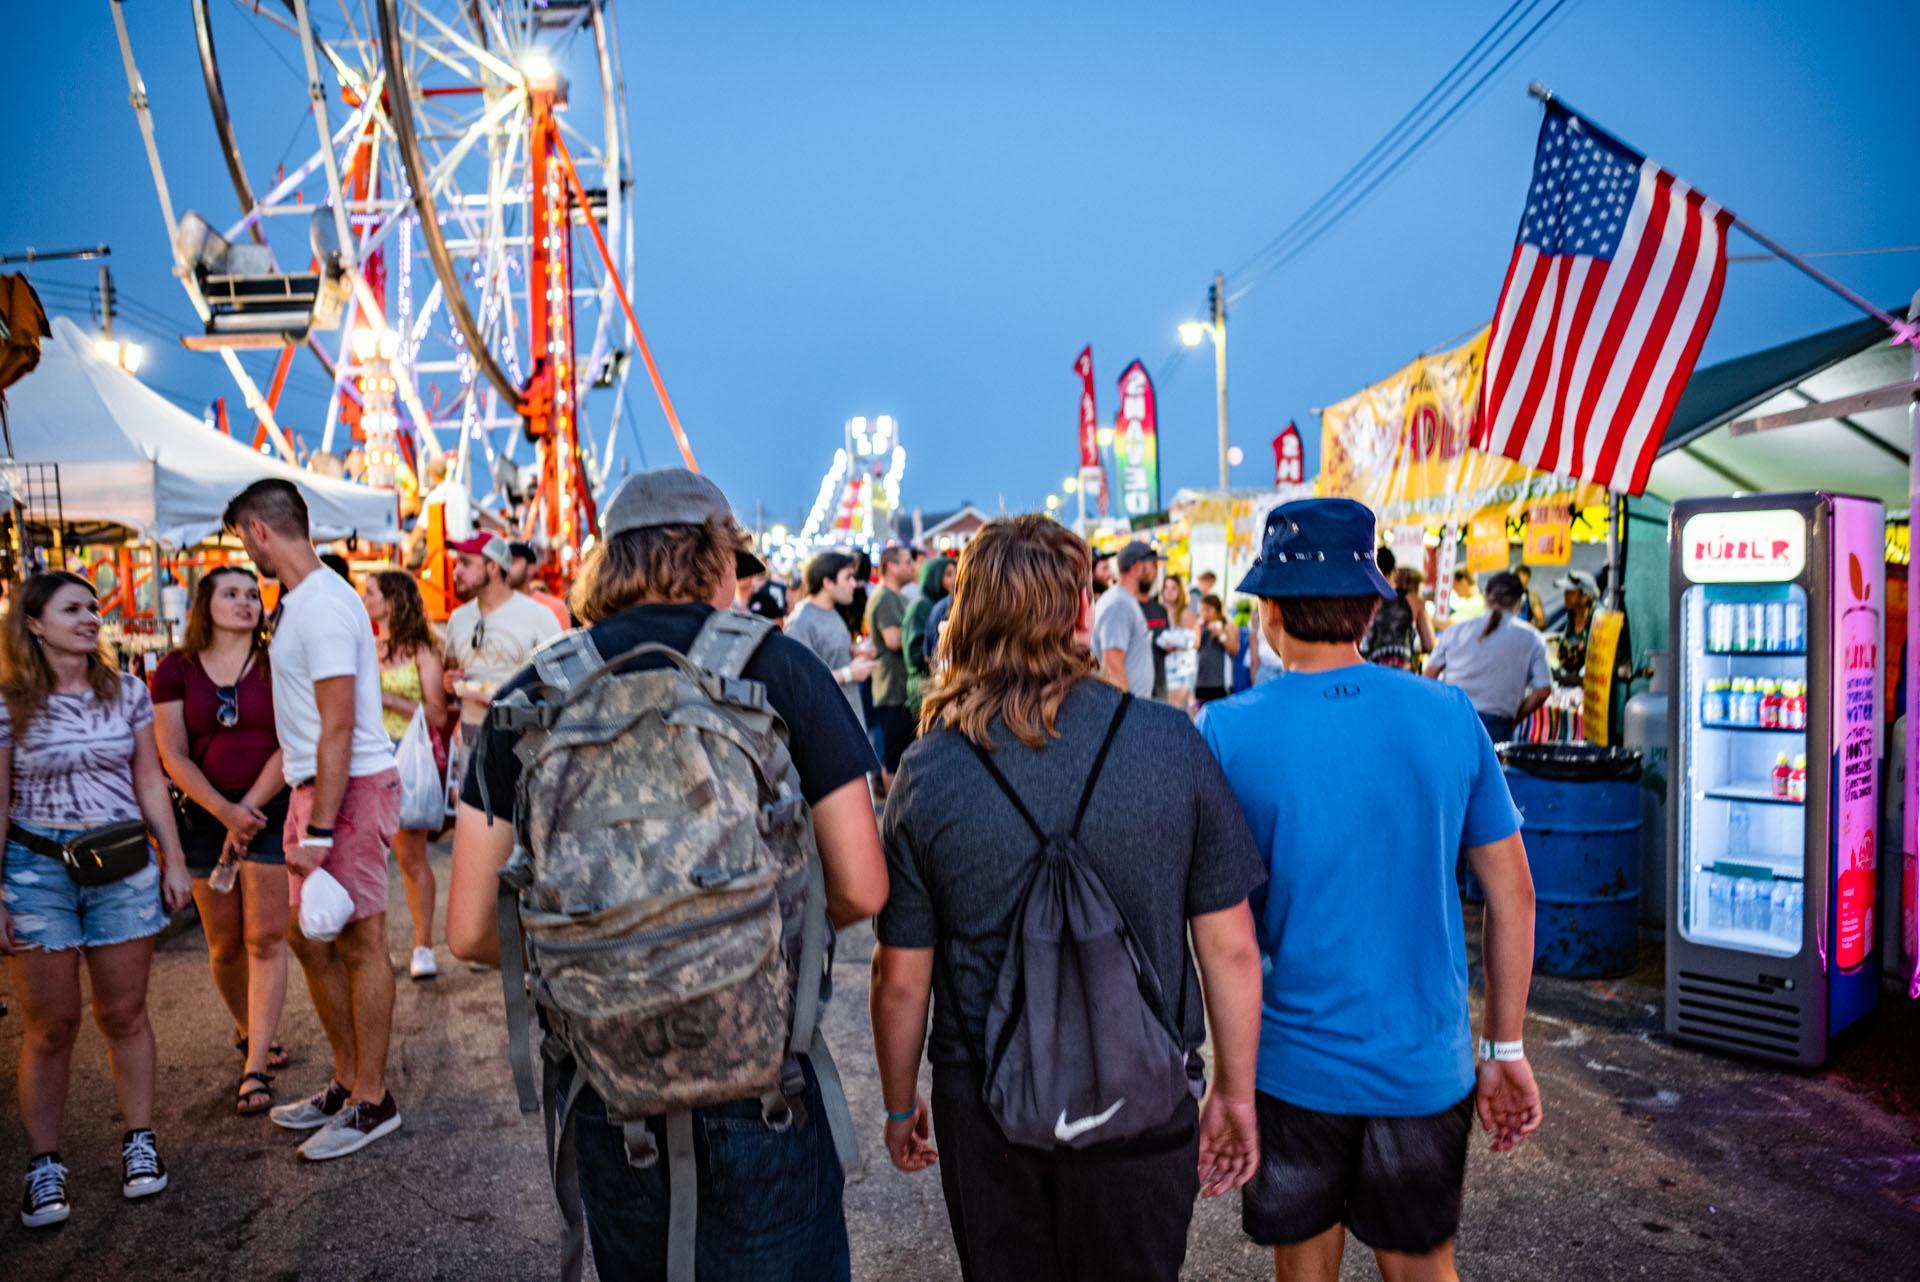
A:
[1091,471]
[1289,464]
[1136,444]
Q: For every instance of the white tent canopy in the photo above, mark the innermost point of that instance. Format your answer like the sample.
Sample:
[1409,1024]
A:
[129,456]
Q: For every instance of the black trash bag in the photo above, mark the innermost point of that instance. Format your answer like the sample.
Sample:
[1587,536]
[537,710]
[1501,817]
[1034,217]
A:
[1573,762]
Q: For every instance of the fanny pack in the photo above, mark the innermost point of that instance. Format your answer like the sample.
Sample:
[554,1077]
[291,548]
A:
[97,856]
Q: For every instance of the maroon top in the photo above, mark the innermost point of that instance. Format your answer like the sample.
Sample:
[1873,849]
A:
[230,757]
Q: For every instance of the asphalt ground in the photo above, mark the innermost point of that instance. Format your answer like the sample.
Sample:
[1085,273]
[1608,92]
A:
[1656,1161]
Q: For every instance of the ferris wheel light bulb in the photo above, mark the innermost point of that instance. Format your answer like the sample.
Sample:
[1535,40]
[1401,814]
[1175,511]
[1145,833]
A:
[389,344]
[537,69]
[366,344]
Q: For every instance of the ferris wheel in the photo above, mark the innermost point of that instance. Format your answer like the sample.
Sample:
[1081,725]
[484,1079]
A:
[449,252]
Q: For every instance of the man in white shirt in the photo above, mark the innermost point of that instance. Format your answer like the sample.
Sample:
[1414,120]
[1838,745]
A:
[494,634]
[342,816]
[1121,641]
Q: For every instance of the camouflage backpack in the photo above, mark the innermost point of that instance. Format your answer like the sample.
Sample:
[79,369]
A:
[665,905]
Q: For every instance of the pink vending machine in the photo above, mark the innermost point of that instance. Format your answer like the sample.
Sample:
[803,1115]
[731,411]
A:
[1778,622]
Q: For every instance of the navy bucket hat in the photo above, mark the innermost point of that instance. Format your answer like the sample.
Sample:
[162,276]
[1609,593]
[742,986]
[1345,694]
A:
[1317,547]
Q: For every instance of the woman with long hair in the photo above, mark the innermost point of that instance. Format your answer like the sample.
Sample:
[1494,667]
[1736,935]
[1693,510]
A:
[1178,641]
[78,770]
[1401,631]
[410,678]
[213,718]
[1159,828]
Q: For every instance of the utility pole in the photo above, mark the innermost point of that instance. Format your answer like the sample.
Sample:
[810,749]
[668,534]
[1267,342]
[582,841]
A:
[1219,293]
[106,301]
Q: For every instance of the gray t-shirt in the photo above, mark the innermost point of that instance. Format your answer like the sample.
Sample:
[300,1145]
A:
[825,633]
[1120,624]
[1163,831]
[1495,671]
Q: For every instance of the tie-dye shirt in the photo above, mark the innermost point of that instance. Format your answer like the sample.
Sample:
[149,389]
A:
[74,766]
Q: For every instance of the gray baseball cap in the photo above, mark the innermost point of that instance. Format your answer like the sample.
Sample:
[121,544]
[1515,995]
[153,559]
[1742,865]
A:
[671,496]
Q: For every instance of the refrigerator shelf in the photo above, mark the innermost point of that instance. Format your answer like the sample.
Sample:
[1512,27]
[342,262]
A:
[1753,865]
[1747,729]
[1755,654]
[1746,941]
[1759,796]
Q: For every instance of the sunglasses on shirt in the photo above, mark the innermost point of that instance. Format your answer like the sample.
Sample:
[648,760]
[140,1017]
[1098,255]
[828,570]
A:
[228,713]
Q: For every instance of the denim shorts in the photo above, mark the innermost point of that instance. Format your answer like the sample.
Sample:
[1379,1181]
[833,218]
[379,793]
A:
[49,912]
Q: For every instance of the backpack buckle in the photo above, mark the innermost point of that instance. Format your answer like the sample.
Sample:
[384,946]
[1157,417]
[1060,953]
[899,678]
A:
[737,691]
[783,813]
[519,718]
[643,1151]
[711,876]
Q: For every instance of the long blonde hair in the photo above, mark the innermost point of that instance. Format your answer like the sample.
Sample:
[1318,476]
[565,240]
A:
[1008,649]
[26,682]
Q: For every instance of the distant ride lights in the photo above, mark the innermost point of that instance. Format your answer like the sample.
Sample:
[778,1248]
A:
[861,489]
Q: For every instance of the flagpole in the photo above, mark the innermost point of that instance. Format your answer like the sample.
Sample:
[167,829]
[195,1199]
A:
[1903,331]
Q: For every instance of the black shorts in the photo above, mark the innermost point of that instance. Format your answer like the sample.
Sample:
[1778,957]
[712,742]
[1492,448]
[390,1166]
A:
[202,836]
[1395,1181]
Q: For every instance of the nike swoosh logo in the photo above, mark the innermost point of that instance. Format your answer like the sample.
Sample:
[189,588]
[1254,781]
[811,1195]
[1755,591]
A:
[1067,1132]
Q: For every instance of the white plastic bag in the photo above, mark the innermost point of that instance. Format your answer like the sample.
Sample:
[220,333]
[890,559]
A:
[422,800]
[324,905]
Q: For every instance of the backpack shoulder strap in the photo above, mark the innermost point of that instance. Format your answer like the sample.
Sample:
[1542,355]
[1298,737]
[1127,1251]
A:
[1100,761]
[986,759]
[727,642]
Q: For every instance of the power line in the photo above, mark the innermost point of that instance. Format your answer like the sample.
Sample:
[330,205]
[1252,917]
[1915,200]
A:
[1326,224]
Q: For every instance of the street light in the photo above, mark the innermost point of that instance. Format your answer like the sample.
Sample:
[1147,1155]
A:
[1071,485]
[1191,332]
[1053,502]
[124,354]
[1103,437]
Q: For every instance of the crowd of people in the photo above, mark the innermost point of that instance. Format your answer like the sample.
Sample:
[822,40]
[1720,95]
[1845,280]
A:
[1091,850]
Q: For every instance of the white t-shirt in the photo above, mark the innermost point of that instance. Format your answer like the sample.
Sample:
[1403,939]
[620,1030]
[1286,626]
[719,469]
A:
[324,632]
[514,630]
[457,516]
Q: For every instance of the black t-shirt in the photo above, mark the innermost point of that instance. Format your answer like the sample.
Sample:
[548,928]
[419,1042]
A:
[829,747]
[1163,830]
[1157,622]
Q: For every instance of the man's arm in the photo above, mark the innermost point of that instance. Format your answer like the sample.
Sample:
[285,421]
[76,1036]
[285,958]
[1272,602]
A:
[1113,668]
[333,759]
[850,850]
[481,848]
[1508,1098]
[1532,702]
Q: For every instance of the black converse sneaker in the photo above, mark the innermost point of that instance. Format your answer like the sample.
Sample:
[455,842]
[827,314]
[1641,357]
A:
[145,1174]
[46,1199]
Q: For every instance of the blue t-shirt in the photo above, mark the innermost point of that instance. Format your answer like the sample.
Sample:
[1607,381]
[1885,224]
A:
[1361,786]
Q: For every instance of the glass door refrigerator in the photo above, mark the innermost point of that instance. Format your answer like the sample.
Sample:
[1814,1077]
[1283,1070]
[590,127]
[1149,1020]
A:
[1778,603]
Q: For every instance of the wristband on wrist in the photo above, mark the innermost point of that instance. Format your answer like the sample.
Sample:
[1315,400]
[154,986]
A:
[1504,1052]
[902,1117]
[314,830]
[320,843]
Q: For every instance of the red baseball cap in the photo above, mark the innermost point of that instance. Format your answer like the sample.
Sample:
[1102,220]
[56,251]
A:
[486,544]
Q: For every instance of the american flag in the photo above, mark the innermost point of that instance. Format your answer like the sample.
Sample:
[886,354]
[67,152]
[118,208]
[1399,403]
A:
[1612,287]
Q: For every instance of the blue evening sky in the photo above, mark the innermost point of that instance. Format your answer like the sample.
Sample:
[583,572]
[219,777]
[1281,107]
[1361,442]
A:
[926,211]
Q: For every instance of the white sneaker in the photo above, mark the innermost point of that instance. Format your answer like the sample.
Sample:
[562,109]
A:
[423,964]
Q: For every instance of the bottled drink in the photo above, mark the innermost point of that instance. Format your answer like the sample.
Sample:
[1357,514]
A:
[1796,900]
[1739,832]
[1738,639]
[1720,902]
[1781,777]
[1797,707]
[1749,702]
[1797,781]
[1762,908]
[1777,913]
[1794,628]
[224,874]
[1776,627]
[1743,895]
[1769,705]
[1713,703]
[1719,627]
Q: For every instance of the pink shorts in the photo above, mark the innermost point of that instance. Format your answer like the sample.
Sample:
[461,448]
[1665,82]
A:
[362,835]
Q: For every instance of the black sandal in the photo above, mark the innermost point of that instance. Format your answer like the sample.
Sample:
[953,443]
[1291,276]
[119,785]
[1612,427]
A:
[276,1053]
[247,1092]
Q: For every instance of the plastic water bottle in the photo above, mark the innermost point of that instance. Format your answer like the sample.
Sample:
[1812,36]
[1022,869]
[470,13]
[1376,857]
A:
[1762,908]
[1795,626]
[1777,913]
[1743,896]
[225,873]
[1720,902]
[1796,900]
[1739,832]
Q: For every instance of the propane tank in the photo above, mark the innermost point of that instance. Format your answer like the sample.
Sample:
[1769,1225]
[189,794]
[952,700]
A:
[1646,729]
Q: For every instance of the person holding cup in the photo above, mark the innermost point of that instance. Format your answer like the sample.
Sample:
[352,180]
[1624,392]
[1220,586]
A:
[213,719]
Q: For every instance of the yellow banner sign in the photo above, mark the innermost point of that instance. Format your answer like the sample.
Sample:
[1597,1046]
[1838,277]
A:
[1603,647]
[1401,448]
[1486,545]
[1549,537]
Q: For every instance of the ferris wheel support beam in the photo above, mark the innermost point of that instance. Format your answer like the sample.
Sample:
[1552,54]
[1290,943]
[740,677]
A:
[143,112]
[620,292]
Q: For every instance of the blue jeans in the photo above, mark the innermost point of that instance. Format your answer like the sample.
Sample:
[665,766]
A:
[1499,729]
[769,1204]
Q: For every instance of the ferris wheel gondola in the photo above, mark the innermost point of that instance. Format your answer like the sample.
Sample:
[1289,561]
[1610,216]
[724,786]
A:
[423,256]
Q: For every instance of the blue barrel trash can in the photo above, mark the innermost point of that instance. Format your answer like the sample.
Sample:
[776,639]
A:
[1580,818]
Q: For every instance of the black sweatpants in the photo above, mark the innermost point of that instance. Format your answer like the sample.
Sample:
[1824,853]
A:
[1044,1217]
